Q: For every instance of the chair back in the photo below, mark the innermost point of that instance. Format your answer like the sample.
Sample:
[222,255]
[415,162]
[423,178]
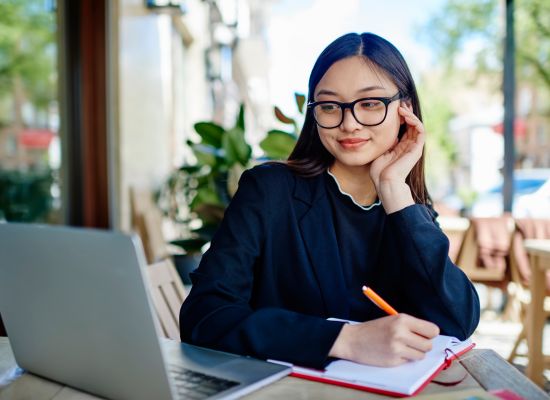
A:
[168,294]
[455,229]
[156,247]
[140,200]
[526,228]
[147,222]
[484,251]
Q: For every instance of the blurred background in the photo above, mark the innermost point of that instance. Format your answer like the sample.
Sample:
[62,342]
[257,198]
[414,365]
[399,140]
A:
[142,114]
[100,97]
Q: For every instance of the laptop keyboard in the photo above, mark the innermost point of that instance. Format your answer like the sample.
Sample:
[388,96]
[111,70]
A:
[195,385]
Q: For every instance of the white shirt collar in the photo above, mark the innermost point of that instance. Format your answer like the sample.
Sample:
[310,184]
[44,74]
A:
[366,208]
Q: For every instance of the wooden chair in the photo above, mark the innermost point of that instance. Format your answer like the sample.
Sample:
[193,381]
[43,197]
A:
[155,246]
[527,228]
[147,222]
[483,255]
[168,294]
[455,229]
[140,200]
[485,248]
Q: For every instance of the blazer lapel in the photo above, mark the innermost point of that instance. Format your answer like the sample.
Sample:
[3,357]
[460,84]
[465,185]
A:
[318,234]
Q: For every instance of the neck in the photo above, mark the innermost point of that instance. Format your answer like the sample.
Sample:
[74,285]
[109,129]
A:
[356,181]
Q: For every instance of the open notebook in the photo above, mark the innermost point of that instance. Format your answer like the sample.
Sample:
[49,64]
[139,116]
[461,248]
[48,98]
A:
[404,380]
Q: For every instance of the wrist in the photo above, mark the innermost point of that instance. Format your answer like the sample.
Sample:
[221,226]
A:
[395,196]
[340,348]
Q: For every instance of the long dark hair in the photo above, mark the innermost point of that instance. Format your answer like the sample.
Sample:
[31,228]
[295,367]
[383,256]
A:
[309,157]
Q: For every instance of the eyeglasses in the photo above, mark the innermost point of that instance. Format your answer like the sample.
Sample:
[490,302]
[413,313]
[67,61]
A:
[368,111]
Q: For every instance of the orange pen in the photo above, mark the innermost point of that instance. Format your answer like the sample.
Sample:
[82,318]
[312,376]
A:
[379,301]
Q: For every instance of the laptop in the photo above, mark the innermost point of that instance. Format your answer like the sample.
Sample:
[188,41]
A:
[76,310]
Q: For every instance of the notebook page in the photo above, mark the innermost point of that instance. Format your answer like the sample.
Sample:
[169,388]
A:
[405,378]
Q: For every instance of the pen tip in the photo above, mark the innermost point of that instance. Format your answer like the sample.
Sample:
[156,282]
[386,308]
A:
[364,287]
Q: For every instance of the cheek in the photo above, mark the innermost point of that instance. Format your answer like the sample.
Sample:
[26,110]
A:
[386,143]
[325,138]
[388,133]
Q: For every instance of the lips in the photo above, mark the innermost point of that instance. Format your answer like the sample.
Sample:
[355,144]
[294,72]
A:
[352,143]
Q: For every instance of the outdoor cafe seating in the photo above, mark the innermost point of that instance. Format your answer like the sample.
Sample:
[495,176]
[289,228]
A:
[492,252]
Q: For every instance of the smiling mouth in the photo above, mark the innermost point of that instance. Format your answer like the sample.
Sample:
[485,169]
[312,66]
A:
[352,143]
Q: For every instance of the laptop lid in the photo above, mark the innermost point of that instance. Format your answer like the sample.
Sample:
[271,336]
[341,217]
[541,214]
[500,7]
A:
[77,311]
[74,305]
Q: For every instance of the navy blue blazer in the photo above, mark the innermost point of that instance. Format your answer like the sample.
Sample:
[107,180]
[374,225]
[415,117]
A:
[273,275]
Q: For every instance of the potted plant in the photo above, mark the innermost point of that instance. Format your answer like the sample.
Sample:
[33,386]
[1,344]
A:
[196,195]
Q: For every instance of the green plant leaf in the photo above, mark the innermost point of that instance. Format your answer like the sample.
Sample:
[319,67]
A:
[278,144]
[236,148]
[300,101]
[205,195]
[204,155]
[282,117]
[240,119]
[210,133]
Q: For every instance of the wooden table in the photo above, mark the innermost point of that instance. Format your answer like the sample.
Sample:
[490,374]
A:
[484,370]
[539,260]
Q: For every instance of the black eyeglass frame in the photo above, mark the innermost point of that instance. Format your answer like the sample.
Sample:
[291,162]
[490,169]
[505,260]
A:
[343,106]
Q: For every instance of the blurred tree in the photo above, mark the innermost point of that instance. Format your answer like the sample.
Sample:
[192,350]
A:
[27,78]
[27,57]
[481,22]
[440,147]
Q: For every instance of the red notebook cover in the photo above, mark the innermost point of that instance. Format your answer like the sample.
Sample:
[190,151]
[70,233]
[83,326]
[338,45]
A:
[405,380]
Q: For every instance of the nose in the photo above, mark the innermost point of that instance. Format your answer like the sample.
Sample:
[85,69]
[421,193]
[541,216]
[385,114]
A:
[349,124]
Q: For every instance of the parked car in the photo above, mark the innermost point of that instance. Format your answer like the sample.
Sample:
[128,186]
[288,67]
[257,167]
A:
[528,202]
[534,205]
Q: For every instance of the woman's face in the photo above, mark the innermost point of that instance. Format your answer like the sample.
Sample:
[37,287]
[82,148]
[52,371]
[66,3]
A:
[353,144]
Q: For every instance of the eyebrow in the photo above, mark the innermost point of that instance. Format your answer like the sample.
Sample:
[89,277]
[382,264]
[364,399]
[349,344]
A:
[331,93]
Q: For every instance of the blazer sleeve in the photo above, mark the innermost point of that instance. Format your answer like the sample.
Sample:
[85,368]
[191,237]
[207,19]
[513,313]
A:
[218,312]
[436,289]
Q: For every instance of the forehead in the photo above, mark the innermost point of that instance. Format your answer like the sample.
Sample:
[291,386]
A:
[353,74]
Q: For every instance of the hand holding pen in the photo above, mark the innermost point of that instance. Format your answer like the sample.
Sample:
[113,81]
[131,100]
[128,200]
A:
[386,341]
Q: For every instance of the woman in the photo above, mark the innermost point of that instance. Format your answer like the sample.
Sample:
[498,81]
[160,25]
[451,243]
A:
[349,208]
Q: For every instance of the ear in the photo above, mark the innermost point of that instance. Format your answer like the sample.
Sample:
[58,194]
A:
[407,104]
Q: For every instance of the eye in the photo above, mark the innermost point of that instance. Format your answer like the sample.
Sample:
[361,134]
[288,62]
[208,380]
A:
[370,104]
[328,108]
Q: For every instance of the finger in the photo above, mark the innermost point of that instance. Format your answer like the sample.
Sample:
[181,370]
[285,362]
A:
[415,128]
[426,329]
[418,342]
[411,354]
[416,134]
[414,121]
[421,327]
[409,141]
[408,113]
[404,110]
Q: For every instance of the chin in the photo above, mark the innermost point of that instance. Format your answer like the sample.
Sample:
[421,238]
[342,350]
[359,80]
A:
[355,161]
